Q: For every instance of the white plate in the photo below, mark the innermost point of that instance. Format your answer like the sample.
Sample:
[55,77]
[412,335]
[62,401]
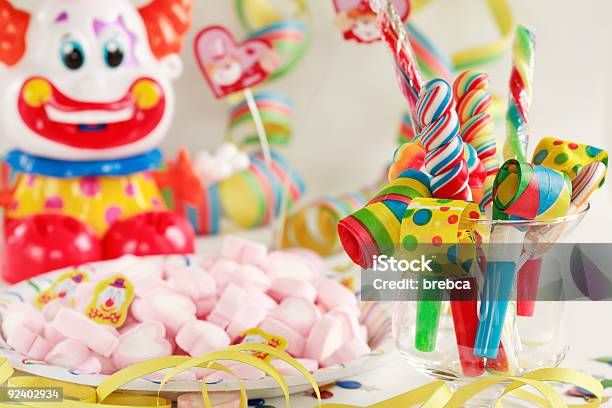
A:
[376,317]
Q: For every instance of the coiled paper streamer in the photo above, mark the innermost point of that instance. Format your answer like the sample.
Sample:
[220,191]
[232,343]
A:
[519,104]
[443,223]
[567,156]
[276,111]
[522,191]
[375,228]
[407,156]
[315,226]
[250,198]
[289,36]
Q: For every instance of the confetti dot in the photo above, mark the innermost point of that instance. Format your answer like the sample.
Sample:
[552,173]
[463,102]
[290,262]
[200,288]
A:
[573,146]
[444,201]
[444,208]
[350,385]
[558,142]
[54,203]
[410,242]
[576,168]
[592,151]
[409,212]
[540,156]
[453,219]
[256,402]
[325,394]
[451,254]
[422,217]
[90,186]
[112,214]
[436,240]
[561,158]
[474,215]
[130,191]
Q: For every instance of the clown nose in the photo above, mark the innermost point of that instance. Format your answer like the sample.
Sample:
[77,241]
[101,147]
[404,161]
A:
[36,92]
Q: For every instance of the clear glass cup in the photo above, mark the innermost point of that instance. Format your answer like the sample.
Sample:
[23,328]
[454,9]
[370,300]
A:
[534,338]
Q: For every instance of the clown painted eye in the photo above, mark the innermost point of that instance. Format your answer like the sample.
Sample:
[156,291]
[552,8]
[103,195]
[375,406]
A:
[113,53]
[72,54]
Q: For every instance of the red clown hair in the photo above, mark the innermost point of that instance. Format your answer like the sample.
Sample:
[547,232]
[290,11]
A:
[13,27]
[166,22]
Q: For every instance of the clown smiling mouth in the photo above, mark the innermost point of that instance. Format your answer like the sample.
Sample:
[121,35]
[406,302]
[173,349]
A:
[90,125]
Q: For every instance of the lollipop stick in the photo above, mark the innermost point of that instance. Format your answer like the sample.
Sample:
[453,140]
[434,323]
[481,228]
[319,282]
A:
[465,321]
[428,317]
[259,126]
[279,222]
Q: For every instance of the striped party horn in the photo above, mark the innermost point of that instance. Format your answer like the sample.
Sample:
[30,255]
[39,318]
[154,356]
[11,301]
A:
[315,225]
[276,111]
[442,229]
[375,229]
[522,191]
[250,197]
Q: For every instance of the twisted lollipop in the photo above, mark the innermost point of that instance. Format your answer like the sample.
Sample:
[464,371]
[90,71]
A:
[445,160]
[521,79]
[473,103]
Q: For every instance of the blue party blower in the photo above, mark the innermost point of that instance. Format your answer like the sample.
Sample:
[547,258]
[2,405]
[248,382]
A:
[521,192]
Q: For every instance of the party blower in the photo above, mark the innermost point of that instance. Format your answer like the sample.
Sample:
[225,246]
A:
[522,191]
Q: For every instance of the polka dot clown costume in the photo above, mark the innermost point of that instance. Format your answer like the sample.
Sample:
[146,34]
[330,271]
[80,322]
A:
[87,97]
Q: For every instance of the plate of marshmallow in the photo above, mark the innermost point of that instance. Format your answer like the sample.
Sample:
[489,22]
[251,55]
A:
[85,323]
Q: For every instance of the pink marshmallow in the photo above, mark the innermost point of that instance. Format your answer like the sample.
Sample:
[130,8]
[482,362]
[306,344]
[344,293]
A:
[349,351]
[250,278]
[232,248]
[106,364]
[230,301]
[199,337]
[187,375]
[297,313]
[262,300]
[143,342]
[51,308]
[192,281]
[221,271]
[165,306]
[205,306]
[350,322]
[286,287]
[78,327]
[283,264]
[241,370]
[288,370]
[18,314]
[39,349]
[52,335]
[363,330]
[253,253]
[247,317]
[21,339]
[69,353]
[324,339]
[217,399]
[295,340]
[333,294]
[218,320]
[314,260]
[91,365]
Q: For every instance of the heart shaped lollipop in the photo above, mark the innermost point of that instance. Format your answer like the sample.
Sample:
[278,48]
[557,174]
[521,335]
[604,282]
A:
[229,66]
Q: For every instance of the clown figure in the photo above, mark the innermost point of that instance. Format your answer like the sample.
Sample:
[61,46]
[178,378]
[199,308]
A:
[87,98]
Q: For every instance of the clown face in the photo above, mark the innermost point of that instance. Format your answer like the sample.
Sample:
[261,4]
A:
[111,299]
[225,72]
[88,85]
[365,28]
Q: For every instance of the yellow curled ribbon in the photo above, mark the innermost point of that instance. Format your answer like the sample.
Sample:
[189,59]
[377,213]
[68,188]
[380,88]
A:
[106,395]
[437,394]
